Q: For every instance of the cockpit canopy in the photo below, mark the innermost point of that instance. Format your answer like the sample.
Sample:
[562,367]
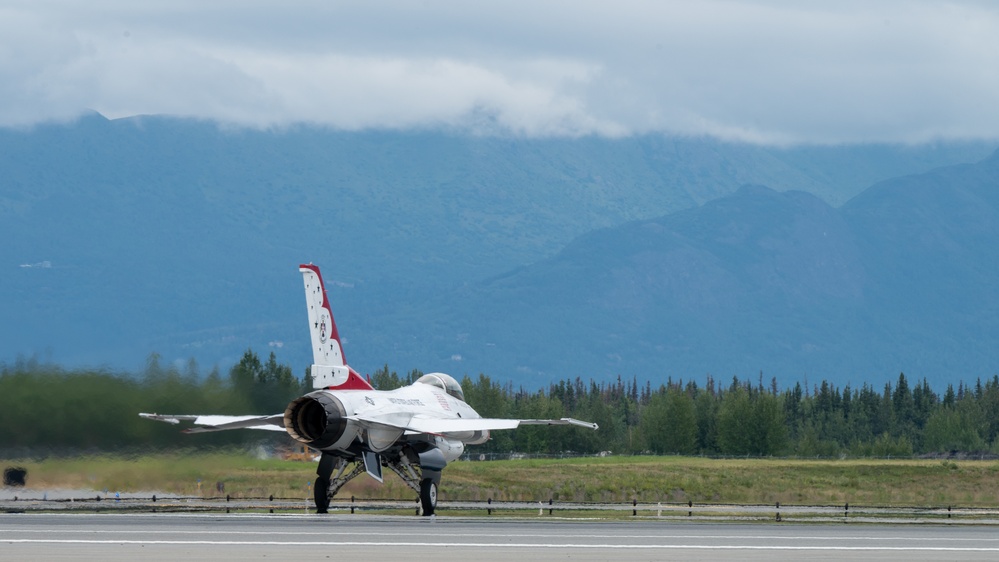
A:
[445,383]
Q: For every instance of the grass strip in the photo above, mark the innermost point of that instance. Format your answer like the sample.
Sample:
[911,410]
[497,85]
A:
[669,479]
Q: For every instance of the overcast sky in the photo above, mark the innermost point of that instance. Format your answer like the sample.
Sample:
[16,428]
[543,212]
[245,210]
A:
[768,71]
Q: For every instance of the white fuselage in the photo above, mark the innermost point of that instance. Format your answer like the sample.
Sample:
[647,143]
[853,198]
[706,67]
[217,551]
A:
[380,418]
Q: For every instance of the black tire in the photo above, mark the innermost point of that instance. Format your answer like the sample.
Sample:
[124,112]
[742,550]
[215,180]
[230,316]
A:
[321,494]
[428,496]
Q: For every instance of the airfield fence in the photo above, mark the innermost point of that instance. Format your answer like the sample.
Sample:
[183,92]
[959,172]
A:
[514,455]
[690,511]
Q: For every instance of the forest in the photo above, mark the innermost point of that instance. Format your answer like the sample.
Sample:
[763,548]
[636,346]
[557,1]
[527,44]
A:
[45,409]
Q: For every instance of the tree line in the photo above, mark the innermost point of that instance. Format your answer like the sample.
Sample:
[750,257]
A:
[900,419]
[46,408]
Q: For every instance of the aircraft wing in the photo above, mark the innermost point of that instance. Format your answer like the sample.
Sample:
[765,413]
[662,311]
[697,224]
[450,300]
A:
[204,424]
[444,426]
[454,425]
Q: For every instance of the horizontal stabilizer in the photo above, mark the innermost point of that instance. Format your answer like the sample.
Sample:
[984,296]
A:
[562,421]
[205,424]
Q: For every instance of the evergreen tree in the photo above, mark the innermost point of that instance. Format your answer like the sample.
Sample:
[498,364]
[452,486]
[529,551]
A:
[669,422]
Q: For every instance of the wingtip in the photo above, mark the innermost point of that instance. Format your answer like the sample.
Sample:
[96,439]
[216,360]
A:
[158,417]
[581,423]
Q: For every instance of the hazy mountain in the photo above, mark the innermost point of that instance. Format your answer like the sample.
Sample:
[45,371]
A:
[158,234]
[900,279]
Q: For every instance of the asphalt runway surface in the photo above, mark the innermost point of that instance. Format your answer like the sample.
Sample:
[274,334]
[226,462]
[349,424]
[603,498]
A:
[175,536]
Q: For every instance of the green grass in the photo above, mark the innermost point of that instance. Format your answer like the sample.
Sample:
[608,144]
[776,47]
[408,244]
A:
[751,481]
[613,479]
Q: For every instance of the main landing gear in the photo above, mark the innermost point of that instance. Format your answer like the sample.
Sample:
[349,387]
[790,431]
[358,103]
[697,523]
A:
[332,475]
[328,485]
[428,496]
[321,495]
[424,484]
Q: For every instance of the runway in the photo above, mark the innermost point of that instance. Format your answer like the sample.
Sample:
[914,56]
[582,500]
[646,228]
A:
[78,536]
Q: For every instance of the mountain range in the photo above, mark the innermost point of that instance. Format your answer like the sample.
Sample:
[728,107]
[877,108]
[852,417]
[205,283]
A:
[899,279]
[528,259]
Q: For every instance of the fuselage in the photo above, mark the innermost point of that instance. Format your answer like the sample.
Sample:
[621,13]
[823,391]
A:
[345,421]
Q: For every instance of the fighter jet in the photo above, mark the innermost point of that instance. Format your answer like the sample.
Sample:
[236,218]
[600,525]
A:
[414,431]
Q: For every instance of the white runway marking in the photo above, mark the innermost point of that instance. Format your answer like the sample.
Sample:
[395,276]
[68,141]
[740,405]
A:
[507,545]
[214,539]
[492,535]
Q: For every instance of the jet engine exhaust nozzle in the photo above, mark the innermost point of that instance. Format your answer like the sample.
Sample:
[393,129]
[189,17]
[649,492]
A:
[316,419]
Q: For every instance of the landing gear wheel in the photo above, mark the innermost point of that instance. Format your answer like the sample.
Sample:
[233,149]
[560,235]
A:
[428,496]
[321,494]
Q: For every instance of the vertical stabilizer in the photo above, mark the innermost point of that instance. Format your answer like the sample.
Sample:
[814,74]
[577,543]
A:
[329,367]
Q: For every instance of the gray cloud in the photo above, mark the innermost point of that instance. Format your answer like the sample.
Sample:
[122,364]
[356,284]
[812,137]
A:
[768,71]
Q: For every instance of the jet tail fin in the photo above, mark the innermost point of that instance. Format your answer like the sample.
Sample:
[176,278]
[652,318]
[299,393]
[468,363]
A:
[329,367]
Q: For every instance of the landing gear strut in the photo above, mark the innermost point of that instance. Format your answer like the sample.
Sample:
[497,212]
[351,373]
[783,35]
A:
[328,485]
[424,481]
